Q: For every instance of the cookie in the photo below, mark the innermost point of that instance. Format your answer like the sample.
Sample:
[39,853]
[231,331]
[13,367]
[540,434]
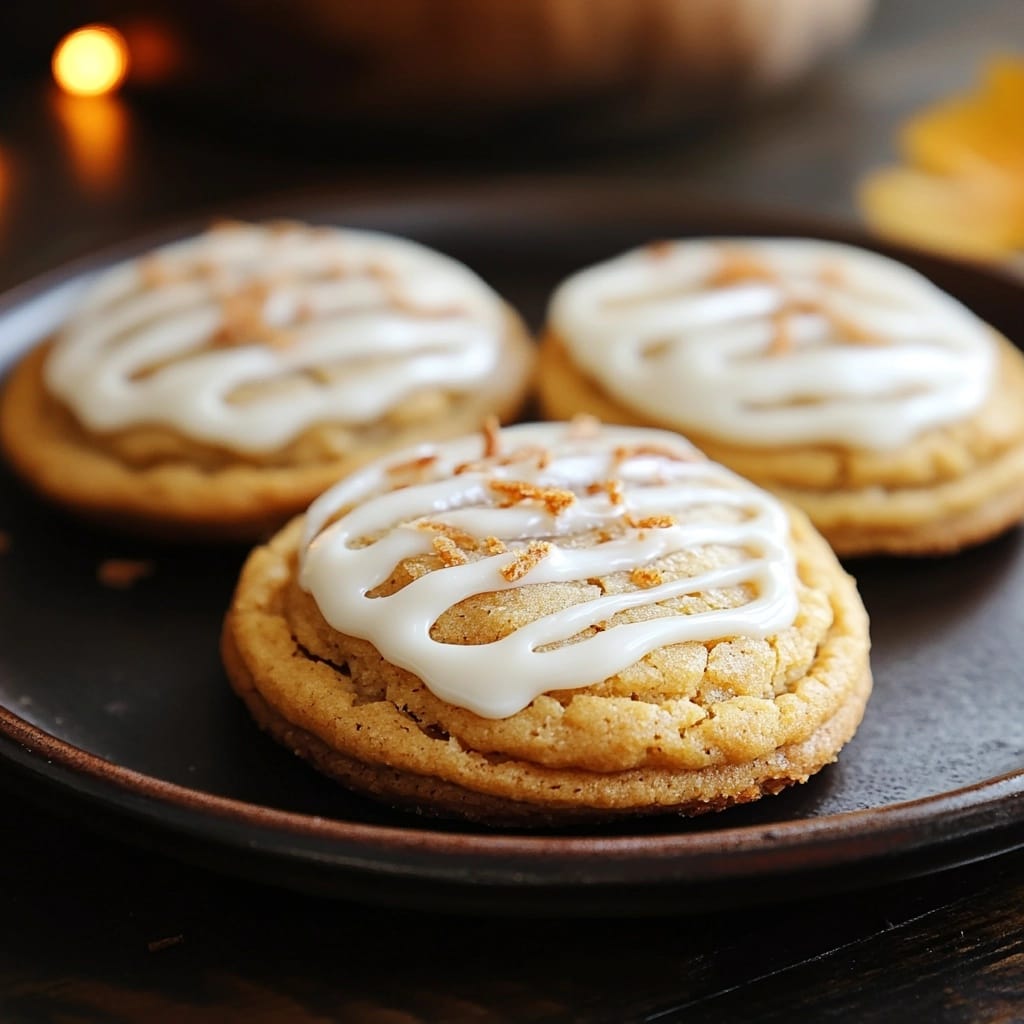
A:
[549,624]
[841,380]
[212,388]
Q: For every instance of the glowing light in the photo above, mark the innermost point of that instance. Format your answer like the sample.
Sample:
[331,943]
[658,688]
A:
[90,61]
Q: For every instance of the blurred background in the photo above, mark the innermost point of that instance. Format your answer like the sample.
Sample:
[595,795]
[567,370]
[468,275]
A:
[119,114]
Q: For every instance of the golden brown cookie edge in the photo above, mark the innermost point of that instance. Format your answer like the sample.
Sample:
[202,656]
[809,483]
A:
[259,598]
[178,501]
[937,535]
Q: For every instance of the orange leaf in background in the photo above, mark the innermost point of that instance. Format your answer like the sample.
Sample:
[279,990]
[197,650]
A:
[1004,89]
[979,219]
[963,190]
[981,133]
[964,137]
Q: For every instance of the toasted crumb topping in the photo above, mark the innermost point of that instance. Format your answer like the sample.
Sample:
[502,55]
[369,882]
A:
[243,321]
[660,249]
[537,452]
[412,465]
[623,453]
[379,271]
[399,301]
[738,267]
[122,573]
[492,453]
[448,551]
[153,272]
[525,560]
[613,488]
[645,576]
[782,334]
[464,540]
[854,333]
[492,437]
[660,522]
[494,546]
[554,499]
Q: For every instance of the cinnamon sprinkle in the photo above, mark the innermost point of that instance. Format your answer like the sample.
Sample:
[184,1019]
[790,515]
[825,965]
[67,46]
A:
[122,573]
[492,437]
[242,317]
[660,249]
[660,522]
[644,576]
[853,332]
[832,274]
[554,499]
[453,533]
[782,334]
[525,560]
[379,271]
[528,451]
[412,465]
[153,272]
[623,453]
[738,267]
[320,374]
[448,551]
[399,301]
[613,488]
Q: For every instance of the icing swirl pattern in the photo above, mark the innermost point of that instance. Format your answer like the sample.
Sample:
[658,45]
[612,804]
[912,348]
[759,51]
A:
[545,503]
[768,342]
[247,335]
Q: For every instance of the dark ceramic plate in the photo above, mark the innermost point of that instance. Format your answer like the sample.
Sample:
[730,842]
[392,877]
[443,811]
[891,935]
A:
[113,705]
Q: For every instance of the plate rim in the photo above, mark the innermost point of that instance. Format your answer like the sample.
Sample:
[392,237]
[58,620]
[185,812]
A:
[828,841]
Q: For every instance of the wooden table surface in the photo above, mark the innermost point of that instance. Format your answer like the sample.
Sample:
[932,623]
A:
[95,930]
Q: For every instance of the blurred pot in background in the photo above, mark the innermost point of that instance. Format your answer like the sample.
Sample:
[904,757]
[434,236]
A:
[597,68]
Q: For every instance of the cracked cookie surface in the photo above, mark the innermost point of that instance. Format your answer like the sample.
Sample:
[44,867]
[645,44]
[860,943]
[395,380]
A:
[686,727]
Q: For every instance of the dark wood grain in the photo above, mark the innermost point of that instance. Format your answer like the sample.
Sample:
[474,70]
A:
[95,930]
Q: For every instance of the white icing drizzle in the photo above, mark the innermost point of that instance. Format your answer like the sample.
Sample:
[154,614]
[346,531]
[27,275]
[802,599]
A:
[819,343]
[340,568]
[386,316]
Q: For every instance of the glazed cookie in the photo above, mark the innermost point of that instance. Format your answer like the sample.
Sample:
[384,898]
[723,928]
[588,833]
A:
[559,622]
[839,379]
[215,386]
